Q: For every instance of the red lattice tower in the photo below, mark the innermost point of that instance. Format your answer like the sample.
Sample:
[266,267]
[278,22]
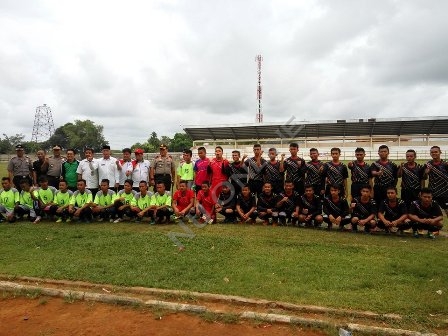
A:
[259,115]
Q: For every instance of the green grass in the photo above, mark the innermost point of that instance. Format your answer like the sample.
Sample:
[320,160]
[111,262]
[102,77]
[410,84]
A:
[380,273]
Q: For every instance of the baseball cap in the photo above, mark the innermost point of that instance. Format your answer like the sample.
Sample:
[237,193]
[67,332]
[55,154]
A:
[139,151]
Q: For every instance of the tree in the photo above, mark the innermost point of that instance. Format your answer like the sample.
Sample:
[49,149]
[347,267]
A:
[153,142]
[180,142]
[79,135]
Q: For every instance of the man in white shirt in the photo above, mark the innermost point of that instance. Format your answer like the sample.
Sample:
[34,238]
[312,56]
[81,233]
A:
[108,168]
[141,169]
[88,171]
[126,166]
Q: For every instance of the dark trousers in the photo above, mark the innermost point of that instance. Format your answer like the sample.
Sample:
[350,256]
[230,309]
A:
[16,180]
[409,195]
[380,193]
[53,181]
[356,187]
[256,186]
[64,214]
[165,179]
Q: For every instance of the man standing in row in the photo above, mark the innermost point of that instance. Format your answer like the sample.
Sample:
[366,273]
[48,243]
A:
[53,167]
[20,167]
[108,168]
[162,168]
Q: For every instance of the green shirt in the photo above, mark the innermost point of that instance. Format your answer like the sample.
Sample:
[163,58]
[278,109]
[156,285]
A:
[26,199]
[160,200]
[45,195]
[69,172]
[63,198]
[9,198]
[79,199]
[185,171]
[128,198]
[142,202]
[105,200]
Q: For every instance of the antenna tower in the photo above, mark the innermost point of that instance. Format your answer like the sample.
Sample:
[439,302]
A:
[259,115]
[43,127]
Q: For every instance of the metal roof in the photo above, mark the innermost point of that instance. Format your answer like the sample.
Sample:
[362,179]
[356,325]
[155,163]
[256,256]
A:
[323,129]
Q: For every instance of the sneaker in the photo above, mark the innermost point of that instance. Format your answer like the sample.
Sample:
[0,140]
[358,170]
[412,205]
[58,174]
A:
[210,221]
[152,222]
[59,220]
[37,220]
[118,220]
[393,229]
[431,235]
[416,234]
[68,220]
[100,219]
[111,220]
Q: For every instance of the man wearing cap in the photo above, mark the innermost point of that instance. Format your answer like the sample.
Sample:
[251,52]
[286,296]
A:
[140,170]
[162,168]
[20,167]
[108,168]
[53,166]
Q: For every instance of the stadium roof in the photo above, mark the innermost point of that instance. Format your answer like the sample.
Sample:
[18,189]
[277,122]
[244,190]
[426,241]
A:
[323,129]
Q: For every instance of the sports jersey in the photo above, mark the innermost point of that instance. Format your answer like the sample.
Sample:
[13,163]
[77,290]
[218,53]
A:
[127,197]
[206,200]
[360,172]
[246,204]
[238,173]
[291,203]
[26,199]
[160,200]
[389,175]
[273,173]
[102,199]
[335,208]
[45,195]
[335,173]
[313,206]
[142,202]
[295,169]
[185,171]
[227,200]
[432,211]
[9,198]
[218,171]
[266,202]
[79,199]
[183,199]
[364,210]
[140,171]
[201,169]
[411,178]
[255,172]
[438,177]
[63,198]
[392,213]
[313,175]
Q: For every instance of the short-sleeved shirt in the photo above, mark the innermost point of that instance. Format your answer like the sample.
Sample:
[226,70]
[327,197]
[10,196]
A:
[163,165]
[160,200]
[69,173]
[246,203]
[313,206]
[438,177]
[255,172]
[389,176]
[128,198]
[266,202]
[206,201]
[291,203]
[219,171]
[55,166]
[45,195]
[183,199]
[420,211]
[9,198]
[363,210]
[79,199]
[102,199]
[295,169]
[201,169]
[411,178]
[185,171]
[20,166]
[89,172]
[313,173]
[37,168]
[26,199]
[361,172]
[140,171]
[336,173]
[335,208]
[392,213]
[63,198]
[142,202]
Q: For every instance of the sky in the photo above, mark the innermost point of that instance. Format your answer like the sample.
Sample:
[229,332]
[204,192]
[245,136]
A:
[136,67]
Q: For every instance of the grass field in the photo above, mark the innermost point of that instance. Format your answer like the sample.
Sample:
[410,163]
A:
[385,274]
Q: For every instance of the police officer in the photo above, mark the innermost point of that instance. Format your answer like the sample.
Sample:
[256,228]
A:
[20,167]
[53,166]
[162,168]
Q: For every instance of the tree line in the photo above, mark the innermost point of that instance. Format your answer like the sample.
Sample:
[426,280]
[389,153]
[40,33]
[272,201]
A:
[84,133]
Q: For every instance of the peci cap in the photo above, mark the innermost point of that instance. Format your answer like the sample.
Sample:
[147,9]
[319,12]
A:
[163,146]
[106,147]
[57,147]
[139,151]
[19,147]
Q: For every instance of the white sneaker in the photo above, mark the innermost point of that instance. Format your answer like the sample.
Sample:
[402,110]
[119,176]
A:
[118,220]
[100,219]
[37,220]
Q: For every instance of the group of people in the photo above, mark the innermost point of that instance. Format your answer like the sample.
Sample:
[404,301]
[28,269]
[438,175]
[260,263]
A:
[277,191]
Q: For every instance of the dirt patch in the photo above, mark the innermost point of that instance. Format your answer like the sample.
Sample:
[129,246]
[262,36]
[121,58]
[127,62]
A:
[44,316]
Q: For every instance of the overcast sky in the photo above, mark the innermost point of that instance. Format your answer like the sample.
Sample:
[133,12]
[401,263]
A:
[142,66]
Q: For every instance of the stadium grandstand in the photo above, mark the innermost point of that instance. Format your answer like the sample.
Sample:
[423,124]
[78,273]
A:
[400,134]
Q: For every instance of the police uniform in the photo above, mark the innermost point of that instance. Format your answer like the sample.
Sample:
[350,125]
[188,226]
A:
[54,170]
[20,168]
[163,168]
